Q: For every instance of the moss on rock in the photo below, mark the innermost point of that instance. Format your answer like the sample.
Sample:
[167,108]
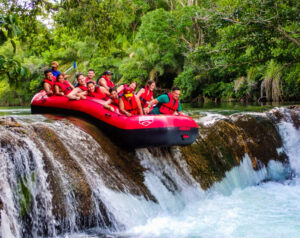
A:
[222,145]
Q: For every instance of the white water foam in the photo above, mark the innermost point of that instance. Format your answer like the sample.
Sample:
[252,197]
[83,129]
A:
[235,207]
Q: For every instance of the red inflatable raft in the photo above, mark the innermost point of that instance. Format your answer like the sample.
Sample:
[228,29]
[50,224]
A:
[133,132]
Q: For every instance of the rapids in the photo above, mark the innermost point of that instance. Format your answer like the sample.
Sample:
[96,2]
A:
[62,177]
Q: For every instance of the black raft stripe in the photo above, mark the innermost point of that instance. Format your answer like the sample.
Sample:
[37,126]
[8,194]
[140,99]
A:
[133,138]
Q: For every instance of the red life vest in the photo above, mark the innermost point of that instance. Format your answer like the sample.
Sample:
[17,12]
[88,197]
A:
[65,87]
[115,101]
[121,93]
[50,82]
[97,94]
[131,106]
[83,88]
[109,83]
[170,107]
[146,96]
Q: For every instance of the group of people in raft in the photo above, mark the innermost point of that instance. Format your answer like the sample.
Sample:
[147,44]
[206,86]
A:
[123,96]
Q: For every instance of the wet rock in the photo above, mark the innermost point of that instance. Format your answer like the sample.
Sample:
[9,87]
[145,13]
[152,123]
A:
[221,146]
[123,166]
[81,187]
[295,115]
[294,107]
[9,122]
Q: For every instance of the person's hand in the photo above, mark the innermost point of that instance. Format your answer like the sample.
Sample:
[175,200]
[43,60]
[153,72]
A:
[50,93]
[146,110]
[83,97]
[128,114]
[111,108]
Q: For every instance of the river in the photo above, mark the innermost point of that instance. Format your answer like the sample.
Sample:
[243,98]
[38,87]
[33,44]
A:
[61,177]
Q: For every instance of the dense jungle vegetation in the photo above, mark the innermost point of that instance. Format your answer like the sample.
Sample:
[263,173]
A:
[212,49]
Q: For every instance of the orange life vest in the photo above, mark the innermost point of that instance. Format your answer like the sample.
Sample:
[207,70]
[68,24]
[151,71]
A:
[97,94]
[170,107]
[131,106]
[146,96]
[65,87]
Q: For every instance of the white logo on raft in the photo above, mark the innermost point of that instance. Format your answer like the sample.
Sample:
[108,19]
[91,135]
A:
[145,121]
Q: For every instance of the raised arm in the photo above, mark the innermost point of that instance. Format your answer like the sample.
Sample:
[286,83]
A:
[120,88]
[102,82]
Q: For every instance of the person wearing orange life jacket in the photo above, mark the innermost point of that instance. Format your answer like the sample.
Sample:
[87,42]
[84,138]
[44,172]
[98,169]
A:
[113,100]
[61,86]
[48,83]
[166,103]
[121,88]
[146,94]
[105,80]
[95,91]
[130,104]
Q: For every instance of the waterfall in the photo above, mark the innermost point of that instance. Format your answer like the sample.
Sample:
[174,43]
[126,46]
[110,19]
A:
[60,178]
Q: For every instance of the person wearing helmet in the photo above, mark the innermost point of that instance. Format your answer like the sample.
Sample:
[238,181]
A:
[121,88]
[130,104]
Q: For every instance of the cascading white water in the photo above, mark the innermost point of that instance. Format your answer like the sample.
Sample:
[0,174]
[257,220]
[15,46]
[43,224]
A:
[246,203]
[23,173]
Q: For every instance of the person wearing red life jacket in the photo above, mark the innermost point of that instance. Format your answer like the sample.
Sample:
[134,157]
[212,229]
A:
[95,91]
[61,86]
[113,100]
[90,75]
[166,103]
[130,104]
[48,83]
[121,88]
[105,80]
[80,91]
[146,94]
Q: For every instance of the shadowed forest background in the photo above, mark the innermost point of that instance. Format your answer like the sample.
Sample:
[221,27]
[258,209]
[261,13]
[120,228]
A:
[214,50]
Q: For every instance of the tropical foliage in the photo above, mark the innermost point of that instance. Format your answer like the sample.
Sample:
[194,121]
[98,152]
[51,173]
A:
[213,50]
